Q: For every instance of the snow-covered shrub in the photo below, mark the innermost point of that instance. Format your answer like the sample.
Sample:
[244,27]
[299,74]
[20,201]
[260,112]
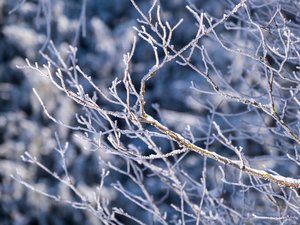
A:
[162,112]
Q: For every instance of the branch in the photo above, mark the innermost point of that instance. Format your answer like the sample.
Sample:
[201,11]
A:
[184,143]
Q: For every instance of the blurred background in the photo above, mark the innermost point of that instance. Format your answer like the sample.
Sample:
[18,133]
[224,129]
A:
[102,31]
